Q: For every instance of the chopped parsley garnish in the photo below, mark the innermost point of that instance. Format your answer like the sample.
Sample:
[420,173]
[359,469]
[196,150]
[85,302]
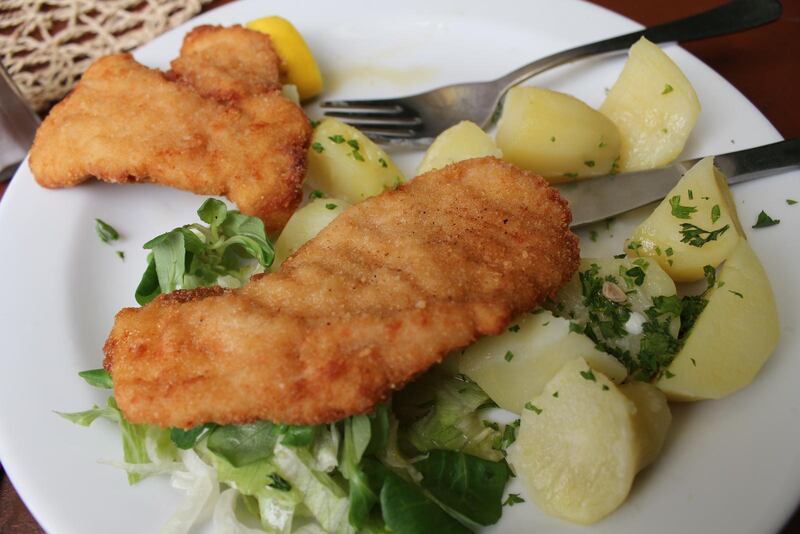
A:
[316,193]
[620,256]
[593,235]
[736,293]
[575,327]
[636,275]
[105,231]
[278,482]
[509,435]
[532,407]
[667,304]
[614,166]
[694,363]
[338,139]
[509,356]
[357,155]
[553,139]
[491,424]
[681,212]
[513,328]
[512,499]
[697,237]
[765,220]
[354,144]
[791,201]
[669,374]
[691,194]
[121,255]
[669,252]
[602,143]
[588,375]
[667,89]
[330,206]
[570,174]
[605,387]
[589,163]
[383,162]
[318,148]
[555,394]
[691,308]
[314,123]
[715,213]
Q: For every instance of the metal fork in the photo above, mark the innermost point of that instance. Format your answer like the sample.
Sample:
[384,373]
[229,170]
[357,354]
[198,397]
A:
[416,119]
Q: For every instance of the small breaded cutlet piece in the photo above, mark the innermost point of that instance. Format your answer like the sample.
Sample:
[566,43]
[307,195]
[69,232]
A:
[385,291]
[125,122]
[227,62]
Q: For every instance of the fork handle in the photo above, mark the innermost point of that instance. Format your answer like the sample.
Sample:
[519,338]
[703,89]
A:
[732,17]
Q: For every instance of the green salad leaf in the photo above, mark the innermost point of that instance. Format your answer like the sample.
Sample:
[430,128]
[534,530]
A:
[407,510]
[195,255]
[98,378]
[471,486]
[244,444]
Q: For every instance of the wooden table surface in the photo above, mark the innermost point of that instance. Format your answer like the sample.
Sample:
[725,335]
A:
[762,63]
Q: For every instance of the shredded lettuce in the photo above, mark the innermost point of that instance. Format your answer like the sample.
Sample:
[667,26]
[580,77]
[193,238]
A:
[324,498]
[224,517]
[451,417]
[199,481]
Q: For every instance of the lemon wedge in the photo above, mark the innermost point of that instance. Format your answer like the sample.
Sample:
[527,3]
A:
[301,69]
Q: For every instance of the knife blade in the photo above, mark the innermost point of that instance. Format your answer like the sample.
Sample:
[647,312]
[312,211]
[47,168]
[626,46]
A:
[18,124]
[599,198]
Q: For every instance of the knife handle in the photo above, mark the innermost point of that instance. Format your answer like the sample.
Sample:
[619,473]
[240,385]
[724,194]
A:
[744,165]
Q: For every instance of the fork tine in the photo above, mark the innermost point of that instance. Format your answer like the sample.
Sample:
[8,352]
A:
[388,133]
[375,119]
[364,106]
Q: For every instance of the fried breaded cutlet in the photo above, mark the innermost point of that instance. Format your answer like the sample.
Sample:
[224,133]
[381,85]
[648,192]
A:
[214,126]
[227,63]
[385,291]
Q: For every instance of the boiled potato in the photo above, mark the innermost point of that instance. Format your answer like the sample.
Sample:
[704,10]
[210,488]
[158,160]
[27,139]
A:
[300,68]
[733,336]
[304,224]
[651,420]
[556,135]
[653,105]
[577,448]
[463,141]
[346,164]
[613,299]
[695,225]
[540,344]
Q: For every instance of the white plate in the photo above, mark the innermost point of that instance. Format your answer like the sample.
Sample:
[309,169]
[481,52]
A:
[729,466]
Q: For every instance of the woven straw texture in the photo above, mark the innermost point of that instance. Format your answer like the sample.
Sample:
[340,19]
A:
[47,45]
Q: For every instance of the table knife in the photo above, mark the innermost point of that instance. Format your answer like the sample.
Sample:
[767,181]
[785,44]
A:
[18,124]
[599,198]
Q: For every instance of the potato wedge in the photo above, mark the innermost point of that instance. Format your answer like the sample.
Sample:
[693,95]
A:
[346,164]
[539,345]
[463,141]
[733,336]
[651,420]
[653,105]
[628,306]
[577,450]
[556,135]
[695,225]
[304,224]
